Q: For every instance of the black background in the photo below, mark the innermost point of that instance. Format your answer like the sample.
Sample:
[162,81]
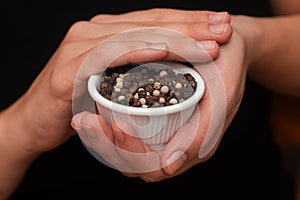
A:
[247,165]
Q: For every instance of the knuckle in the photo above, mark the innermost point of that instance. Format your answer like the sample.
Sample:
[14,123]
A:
[100,18]
[195,15]
[192,29]
[60,84]
[199,13]
[158,13]
[77,28]
[65,49]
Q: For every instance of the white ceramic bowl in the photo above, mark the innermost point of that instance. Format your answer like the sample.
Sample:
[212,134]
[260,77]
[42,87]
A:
[154,126]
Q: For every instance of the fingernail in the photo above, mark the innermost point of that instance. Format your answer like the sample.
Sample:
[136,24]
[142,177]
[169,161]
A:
[73,124]
[218,17]
[76,122]
[218,28]
[175,161]
[206,44]
[157,46]
[88,130]
[118,135]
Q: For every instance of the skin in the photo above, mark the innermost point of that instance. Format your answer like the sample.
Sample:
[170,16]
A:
[50,95]
[261,62]
[86,123]
[15,155]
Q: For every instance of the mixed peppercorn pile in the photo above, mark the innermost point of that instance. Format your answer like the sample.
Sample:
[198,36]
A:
[141,86]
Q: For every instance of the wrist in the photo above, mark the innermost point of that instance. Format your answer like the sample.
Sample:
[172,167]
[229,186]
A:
[14,136]
[249,29]
[15,160]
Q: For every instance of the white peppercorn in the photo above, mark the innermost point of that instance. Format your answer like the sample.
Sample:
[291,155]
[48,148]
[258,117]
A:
[143,101]
[162,100]
[156,93]
[173,101]
[163,73]
[156,85]
[164,89]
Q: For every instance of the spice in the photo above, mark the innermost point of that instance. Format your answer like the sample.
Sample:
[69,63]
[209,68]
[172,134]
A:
[140,86]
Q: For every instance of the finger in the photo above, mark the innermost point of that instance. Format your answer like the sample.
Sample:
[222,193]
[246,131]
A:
[97,136]
[209,129]
[218,96]
[164,15]
[126,138]
[72,81]
[186,48]
[178,50]
[95,133]
[220,32]
[124,49]
[184,147]
[131,175]
[86,119]
[198,31]
[139,47]
[133,151]
[117,53]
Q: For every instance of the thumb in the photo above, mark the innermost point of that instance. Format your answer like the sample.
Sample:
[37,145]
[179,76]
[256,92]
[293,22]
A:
[92,127]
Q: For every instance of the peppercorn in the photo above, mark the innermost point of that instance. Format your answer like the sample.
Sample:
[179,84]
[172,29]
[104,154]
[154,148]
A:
[146,87]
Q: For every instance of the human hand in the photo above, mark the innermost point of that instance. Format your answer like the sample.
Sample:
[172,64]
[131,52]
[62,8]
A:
[193,143]
[225,80]
[44,112]
[118,155]
[198,140]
